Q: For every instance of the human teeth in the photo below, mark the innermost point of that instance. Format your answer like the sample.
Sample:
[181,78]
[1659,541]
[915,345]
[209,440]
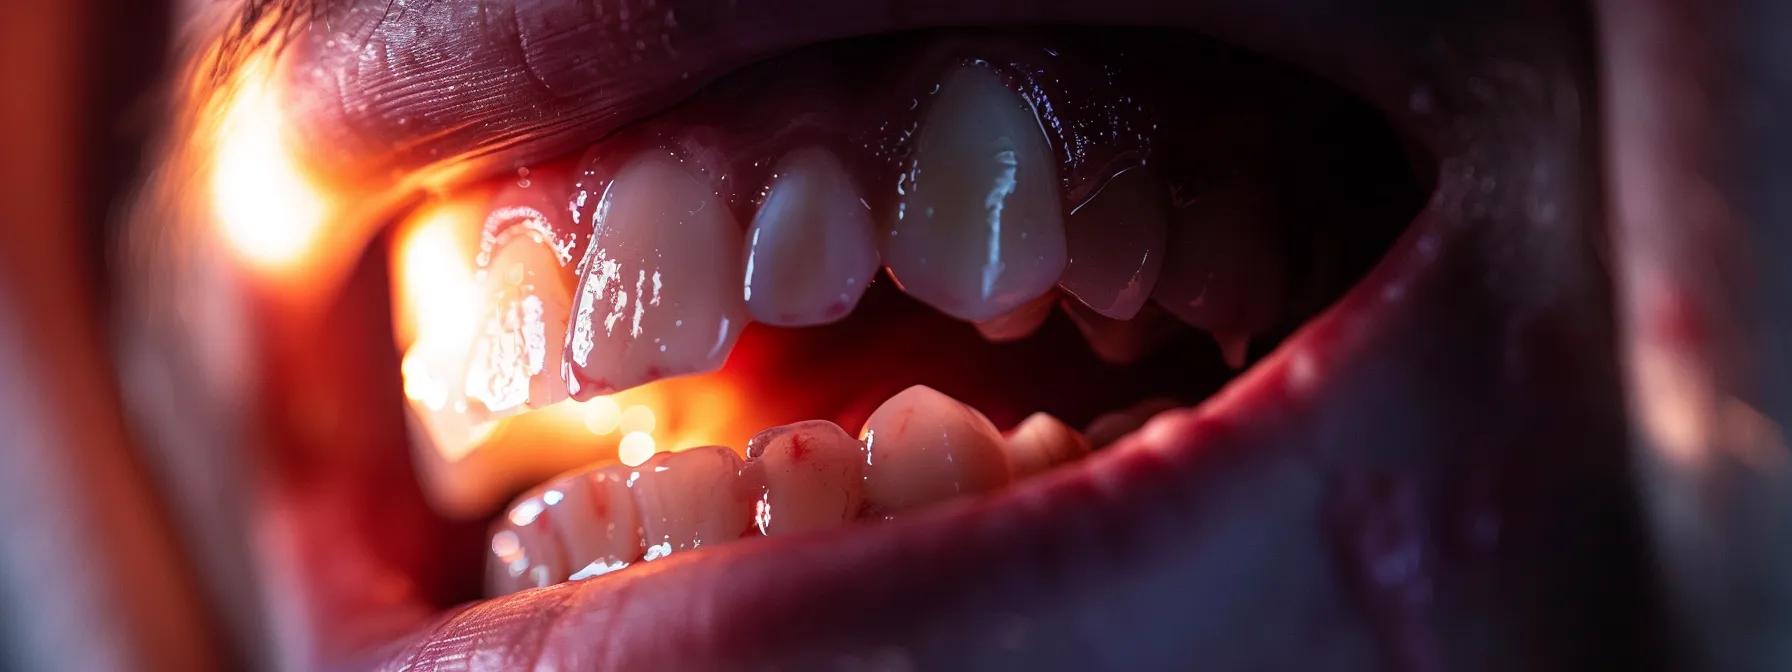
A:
[1111,426]
[1116,244]
[812,250]
[516,353]
[977,230]
[596,521]
[1020,322]
[924,447]
[660,292]
[692,498]
[1123,341]
[1041,442]
[523,551]
[1226,269]
[813,474]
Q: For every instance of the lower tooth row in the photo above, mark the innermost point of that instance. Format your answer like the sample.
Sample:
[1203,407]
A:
[920,447]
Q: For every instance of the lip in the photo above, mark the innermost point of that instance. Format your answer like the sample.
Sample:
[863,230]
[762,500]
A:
[1257,529]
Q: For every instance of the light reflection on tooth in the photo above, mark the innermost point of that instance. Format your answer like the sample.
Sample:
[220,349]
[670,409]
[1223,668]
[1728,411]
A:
[924,447]
[978,229]
[660,293]
[692,498]
[812,249]
[1041,442]
[1116,244]
[515,358]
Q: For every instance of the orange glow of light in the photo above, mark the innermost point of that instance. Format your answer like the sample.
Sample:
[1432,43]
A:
[267,209]
[472,457]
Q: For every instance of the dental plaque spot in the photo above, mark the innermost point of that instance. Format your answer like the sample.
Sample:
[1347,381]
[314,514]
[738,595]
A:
[682,335]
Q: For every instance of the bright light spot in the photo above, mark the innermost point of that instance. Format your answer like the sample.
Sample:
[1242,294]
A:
[635,448]
[637,418]
[267,209]
[438,297]
[601,415]
[526,512]
[552,497]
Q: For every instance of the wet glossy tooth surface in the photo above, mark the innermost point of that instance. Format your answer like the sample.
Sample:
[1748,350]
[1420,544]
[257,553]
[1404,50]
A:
[1123,341]
[814,477]
[515,358]
[1116,245]
[926,447]
[524,552]
[1020,322]
[1226,271]
[1041,442]
[659,294]
[812,249]
[692,498]
[596,522]
[977,230]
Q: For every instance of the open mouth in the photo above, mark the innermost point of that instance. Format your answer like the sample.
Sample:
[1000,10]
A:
[879,346]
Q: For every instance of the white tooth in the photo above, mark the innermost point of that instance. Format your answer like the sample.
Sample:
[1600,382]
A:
[660,291]
[978,229]
[812,250]
[692,498]
[923,447]
[1041,442]
[1021,322]
[1116,243]
[814,477]
[595,519]
[1123,342]
[1226,271]
[1111,426]
[523,551]
[515,359]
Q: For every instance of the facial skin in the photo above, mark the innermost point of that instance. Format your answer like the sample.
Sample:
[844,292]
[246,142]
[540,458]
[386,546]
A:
[1590,348]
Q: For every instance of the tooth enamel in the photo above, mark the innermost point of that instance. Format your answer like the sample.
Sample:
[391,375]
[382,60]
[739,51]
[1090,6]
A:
[692,498]
[1226,268]
[977,230]
[814,477]
[516,355]
[812,250]
[1116,244]
[1111,426]
[596,522]
[660,293]
[523,551]
[1041,442]
[1123,342]
[925,447]
[1021,322]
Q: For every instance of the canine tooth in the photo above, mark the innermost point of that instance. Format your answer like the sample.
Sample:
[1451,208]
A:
[1041,442]
[660,293]
[812,250]
[1123,341]
[515,358]
[1111,426]
[814,477]
[1021,322]
[523,551]
[977,230]
[923,447]
[691,498]
[1116,244]
[1226,271]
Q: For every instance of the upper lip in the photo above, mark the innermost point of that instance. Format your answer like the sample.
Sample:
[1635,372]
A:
[1167,541]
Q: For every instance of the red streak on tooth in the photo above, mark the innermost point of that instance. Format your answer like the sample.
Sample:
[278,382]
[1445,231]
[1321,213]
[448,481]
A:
[798,451]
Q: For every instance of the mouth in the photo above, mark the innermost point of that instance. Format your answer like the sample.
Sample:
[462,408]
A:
[964,346]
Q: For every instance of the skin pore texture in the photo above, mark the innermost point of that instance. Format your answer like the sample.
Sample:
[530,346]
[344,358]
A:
[1433,474]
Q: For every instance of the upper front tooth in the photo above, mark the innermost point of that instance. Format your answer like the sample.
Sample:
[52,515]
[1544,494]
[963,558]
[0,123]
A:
[978,229]
[812,250]
[1227,270]
[515,359]
[1116,245]
[660,292]
[923,447]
